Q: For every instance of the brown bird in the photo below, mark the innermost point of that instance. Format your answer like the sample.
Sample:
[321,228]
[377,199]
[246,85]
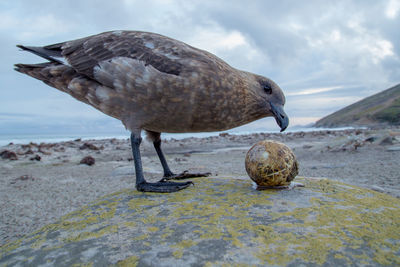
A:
[154,83]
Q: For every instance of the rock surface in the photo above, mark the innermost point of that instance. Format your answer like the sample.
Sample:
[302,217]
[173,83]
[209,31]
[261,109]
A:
[222,221]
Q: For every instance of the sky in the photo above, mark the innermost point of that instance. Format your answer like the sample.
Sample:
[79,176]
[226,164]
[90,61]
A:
[325,55]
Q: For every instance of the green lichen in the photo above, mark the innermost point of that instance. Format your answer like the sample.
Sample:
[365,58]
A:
[10,247]
[336,224]
[131,261]
[92,234]
[152,229]
[177,254]
[130,224]
[89,264]
[262,225]
[181,246]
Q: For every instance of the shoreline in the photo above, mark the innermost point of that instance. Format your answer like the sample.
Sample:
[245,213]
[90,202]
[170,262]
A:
[39,190]
[5,139]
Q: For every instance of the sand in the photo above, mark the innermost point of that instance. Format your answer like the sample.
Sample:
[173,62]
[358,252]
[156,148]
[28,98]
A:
[36,192]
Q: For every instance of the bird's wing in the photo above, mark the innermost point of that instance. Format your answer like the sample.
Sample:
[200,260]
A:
[160,52]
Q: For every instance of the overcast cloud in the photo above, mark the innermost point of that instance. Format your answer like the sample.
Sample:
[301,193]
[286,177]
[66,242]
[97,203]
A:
[324,54]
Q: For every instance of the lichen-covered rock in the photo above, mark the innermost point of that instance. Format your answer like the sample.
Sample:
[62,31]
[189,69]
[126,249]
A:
[222,221]
[270,163]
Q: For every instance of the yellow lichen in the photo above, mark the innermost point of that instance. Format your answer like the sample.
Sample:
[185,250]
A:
[131,261]
[92,234]
[89,264]
[336,217]
[130,224]
[177,254]
[152,229]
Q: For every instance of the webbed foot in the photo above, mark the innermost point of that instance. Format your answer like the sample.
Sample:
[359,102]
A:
[162,187]
[183,175]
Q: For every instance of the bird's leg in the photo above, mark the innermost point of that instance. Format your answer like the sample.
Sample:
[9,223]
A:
[168,174]
[141,184]
[167,170]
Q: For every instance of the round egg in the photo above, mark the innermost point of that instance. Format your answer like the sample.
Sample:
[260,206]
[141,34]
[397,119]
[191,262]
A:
[271,164]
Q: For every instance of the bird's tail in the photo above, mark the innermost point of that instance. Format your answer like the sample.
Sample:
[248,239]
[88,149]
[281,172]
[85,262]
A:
[54,74]
[48,52]
[64,78]
[59,76]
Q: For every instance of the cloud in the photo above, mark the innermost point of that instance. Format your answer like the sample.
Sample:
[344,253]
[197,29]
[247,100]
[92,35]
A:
[227,44]
[392,9]
[324,55]
[311,91]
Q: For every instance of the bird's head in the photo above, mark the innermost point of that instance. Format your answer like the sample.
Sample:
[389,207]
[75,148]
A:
[272,100]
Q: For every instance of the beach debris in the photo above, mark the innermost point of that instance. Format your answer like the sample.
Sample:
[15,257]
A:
[43,151]
[271,164]
[357,144]
[388,140]
[180,159]
[60,149]
[88,160]
[370,139]
[36,157]
[28,152]
[70,144]
[90,146]
[351,145]
[7,154]
[25,177]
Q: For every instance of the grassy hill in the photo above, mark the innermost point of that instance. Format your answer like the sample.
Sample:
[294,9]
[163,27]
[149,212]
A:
[381,108]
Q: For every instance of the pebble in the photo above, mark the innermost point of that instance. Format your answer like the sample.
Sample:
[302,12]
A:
[89,146]
[387,141]
[377,188]
[7,154]
[88,160]
[36,157]
[370,139]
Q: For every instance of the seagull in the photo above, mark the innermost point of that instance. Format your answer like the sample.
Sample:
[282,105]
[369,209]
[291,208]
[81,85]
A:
[157,84]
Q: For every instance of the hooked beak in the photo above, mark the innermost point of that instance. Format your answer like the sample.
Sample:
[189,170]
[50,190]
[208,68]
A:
[280,116]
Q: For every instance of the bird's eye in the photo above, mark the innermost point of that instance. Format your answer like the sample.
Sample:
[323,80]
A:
[268,89]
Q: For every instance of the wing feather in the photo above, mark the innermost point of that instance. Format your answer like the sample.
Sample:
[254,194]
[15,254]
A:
[152,49]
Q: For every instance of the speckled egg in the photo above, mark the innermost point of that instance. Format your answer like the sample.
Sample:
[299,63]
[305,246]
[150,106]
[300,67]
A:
[271,164]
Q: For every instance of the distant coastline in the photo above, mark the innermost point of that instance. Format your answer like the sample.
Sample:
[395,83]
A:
[5,139]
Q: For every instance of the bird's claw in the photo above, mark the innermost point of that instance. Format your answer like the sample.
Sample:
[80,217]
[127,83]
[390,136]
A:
[184,175]
[162,186]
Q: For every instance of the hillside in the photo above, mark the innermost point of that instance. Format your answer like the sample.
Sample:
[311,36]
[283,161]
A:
[381,108]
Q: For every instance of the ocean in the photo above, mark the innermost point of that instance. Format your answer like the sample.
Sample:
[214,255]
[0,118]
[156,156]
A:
[5,139]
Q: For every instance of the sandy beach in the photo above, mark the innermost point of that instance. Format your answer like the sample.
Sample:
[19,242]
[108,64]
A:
[41,182]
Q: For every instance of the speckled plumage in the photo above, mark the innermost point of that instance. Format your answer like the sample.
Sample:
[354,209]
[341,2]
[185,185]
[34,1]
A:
[155,83]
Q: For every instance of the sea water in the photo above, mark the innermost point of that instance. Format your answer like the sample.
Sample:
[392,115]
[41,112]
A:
[53,138]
